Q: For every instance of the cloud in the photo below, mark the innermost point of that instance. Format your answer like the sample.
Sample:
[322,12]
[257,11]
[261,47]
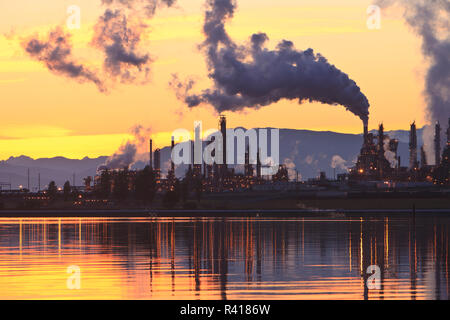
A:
[117,34]
[55,52]
[119,38]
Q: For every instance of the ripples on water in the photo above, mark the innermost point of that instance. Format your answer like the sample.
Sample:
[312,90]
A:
[225,258]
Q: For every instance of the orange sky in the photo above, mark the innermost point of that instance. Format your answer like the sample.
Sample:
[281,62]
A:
[47,115]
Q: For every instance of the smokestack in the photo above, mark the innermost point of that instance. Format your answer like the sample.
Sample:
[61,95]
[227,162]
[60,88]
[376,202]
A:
[158,163]
[172,164]
[366,130]
[437,143]
[448,133]
[413,147]
[423,157]
[151,154]
[258,165]
[223,130]
[381,139]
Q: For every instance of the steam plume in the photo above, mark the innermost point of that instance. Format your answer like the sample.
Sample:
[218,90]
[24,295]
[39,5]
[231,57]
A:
[337,162]
[119,38]
[56,53]
[430,20]
[127,153]
[117,34]
[388,154]
[254,76]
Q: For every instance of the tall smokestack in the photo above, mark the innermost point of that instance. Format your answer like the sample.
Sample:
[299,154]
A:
[437,143]
[381,140]
[158,163]
[448,133]
[223,130]
[366,130]
[413,147]
[172,164]
[151,154]
[423,157]
[258,165]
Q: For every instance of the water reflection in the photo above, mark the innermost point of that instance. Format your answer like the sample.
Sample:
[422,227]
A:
[225,258]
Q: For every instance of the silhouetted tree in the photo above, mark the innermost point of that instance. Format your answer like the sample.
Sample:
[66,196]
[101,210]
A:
[198,187]
[120,191]
[184,190]
[104,189]
[52,190]
[66,190]
[171,197]
[145,185]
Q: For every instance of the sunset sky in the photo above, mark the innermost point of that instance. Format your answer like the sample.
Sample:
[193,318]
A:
[46,115]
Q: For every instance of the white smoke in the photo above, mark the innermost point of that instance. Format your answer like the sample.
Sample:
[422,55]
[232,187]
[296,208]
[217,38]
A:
[337,162]
[388,154]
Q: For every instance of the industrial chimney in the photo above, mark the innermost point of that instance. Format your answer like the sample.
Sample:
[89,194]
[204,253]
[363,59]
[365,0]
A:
[366,131]
[151,154]
[223,130]
[437,144]
[413,147]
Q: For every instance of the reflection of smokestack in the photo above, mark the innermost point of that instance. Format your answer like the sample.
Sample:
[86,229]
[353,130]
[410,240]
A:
[437,144]
[151,154]
[413,147]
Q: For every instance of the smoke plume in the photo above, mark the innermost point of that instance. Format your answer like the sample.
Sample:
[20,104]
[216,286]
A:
[388,154]
[337,162]
[55,52]
[119,39]
[148,7]
[430,20]
[127,153]
[117,34]
[254,76]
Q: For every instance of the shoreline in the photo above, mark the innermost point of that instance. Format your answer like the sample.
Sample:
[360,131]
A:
[269,213]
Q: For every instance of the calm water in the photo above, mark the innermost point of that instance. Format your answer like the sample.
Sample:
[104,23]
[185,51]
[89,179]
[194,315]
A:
[225,258]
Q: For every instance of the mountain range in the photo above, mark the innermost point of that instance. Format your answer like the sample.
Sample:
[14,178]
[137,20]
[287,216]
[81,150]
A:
[308,152]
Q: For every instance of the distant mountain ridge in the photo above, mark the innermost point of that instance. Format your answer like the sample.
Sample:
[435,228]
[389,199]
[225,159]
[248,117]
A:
[307,151]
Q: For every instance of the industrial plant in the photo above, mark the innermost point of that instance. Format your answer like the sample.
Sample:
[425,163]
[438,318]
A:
[377,163]
[378,172]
